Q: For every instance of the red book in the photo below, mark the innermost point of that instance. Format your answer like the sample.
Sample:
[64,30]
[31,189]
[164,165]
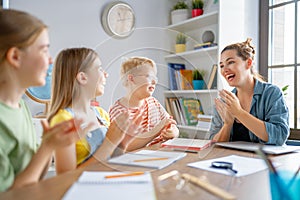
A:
[186,144]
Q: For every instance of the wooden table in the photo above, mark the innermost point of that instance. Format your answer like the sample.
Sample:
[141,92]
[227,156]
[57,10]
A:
[255,186]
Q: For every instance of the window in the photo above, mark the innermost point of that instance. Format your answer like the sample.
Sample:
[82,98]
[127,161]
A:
[279,51]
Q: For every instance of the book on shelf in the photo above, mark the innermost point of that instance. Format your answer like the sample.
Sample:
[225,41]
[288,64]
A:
[178,80]
[204,121]
[212,79]
[180,111]
[148,158]
[112,185]
[176,110]
[185,144]
[172,68]
[205,45]
[168,107]
[186,79]
[192,108]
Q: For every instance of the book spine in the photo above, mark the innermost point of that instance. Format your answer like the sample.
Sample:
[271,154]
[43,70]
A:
[212,78]
[172,68]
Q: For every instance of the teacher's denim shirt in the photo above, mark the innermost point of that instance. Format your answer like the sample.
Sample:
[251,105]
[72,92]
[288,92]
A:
[268,105]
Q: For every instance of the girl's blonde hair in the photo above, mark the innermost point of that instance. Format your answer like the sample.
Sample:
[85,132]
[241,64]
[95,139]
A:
[245,50]
[67,65]
[133,63]
[17,29]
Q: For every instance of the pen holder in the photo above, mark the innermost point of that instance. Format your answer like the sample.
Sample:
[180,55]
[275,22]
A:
[285,186]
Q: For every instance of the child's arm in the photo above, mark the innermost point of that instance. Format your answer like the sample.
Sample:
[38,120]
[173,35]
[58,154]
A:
[142,140]
[118,129]
[58,136]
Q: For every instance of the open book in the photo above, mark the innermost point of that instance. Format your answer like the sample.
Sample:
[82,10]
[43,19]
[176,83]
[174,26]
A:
[112,185]
[185,144]
[148,158]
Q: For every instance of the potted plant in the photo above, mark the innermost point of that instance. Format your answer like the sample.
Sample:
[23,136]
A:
[198,82]
[180,43]
[179,12]
[197,8]
[284,90]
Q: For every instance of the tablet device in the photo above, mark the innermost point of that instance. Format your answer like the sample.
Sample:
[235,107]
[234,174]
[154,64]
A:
[250,146]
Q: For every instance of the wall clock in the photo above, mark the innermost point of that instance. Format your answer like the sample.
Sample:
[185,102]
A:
[118,19]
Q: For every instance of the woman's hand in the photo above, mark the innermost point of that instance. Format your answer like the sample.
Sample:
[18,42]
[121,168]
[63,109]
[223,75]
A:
[223,112]
[232,103]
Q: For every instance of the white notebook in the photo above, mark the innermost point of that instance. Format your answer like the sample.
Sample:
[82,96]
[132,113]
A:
[185,144]
[250,146]
[94,185]
[148,158]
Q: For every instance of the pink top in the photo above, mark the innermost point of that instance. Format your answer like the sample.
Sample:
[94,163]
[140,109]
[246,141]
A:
[152,113]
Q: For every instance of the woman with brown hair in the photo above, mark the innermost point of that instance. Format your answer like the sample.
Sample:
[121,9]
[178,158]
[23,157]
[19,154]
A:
[255,111]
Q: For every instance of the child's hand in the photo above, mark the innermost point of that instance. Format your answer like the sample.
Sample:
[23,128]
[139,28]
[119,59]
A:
[123,129]
[168,132]
[167,129]
[163,124]
[65,133]
[171,131]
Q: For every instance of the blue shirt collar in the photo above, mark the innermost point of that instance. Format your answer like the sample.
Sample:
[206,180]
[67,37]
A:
[258,88]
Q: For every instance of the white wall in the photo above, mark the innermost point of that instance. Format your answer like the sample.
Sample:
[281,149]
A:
[239,20]
[76,23]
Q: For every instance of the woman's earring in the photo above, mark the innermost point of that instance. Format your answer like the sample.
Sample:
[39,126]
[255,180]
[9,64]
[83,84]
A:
[130,77]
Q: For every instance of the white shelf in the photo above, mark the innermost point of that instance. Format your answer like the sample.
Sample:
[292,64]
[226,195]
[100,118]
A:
[197,52]
[191,91]
[195,57]
[196,22]
[192,128]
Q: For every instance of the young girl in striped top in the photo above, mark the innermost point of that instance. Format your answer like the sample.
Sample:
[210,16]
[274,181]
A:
[139,78]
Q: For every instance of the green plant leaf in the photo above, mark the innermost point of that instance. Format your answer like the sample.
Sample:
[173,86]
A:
[180,5]
[197,4]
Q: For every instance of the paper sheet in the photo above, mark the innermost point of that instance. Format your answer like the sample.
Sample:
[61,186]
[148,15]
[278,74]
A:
[94,185]
[244,165]
[131,158]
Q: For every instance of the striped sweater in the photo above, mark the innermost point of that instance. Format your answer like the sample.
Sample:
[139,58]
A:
[152,113]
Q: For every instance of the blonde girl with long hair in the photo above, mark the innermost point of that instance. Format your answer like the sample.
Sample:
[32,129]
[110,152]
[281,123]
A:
[77,78]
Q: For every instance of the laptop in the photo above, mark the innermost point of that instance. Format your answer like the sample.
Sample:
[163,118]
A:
[250,146]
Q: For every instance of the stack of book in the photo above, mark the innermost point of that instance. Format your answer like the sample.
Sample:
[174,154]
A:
[185,144]
[184,110]
[205,45]
[204,121]
[179,77]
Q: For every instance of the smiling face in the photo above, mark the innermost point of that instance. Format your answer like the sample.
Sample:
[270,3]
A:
[35,61]
[97,78]
[234,69]
[145,80]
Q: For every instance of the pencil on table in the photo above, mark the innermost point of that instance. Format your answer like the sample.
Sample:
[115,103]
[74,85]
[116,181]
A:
[219,192]
[151,159]
[124,175]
